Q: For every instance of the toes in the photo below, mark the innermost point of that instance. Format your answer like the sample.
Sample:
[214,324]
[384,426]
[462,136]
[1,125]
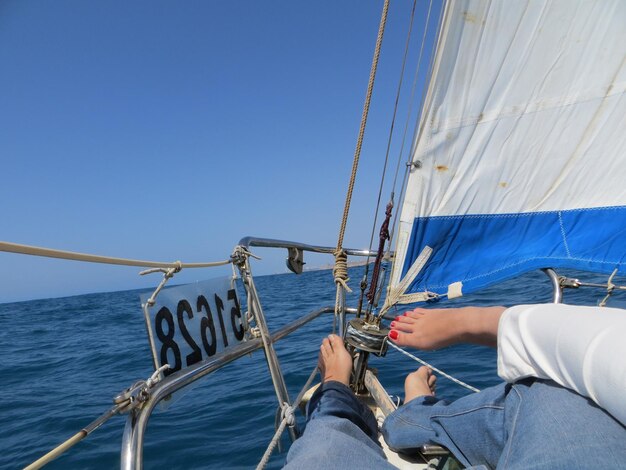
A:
[405,327]
[336,343]
[415,314]
[398,337]
[326,348]
[404,319]
[432,380]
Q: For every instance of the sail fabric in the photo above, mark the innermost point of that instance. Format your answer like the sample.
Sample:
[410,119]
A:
[520,159]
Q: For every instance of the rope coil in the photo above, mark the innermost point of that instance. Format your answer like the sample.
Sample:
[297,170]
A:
[340,270]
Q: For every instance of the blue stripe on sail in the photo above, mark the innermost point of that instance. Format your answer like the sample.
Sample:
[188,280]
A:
[480,250]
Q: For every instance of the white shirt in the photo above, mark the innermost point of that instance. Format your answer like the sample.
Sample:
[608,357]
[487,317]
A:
[581,348]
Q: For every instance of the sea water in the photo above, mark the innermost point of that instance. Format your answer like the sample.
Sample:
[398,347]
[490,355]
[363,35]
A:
[63,360]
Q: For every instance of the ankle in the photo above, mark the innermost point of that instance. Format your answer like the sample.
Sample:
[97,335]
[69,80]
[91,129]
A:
[479,325]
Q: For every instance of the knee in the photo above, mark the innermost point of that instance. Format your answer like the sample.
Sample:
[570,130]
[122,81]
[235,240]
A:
[401,435]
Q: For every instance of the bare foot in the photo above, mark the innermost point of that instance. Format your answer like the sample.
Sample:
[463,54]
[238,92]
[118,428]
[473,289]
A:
[437,328]
[335,362]
[420,383]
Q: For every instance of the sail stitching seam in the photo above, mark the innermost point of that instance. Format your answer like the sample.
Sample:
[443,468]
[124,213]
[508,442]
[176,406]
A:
[569,255]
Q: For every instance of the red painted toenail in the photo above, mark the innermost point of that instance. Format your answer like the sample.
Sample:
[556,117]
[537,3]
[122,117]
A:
[405,314]
[393,323]
[393,334]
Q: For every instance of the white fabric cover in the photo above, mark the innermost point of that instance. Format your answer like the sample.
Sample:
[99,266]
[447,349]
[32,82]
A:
[581,348]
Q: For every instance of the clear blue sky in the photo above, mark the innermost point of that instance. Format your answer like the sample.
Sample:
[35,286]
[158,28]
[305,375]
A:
[169,130]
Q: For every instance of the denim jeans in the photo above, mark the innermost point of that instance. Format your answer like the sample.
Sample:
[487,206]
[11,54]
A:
[533,424]
[340,433]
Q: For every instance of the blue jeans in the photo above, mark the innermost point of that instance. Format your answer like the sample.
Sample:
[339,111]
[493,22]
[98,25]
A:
[340,433]
[533,424]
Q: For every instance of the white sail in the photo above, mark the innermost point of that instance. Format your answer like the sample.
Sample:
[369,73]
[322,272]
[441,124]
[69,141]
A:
[522,145]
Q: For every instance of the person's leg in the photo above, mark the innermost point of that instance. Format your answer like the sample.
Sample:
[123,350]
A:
[341,432]
[555,428]
[440,327]
[471,427]
[530,424]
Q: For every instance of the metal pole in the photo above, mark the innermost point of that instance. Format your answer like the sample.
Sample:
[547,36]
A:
[247,242]
[557,294]
[254,304]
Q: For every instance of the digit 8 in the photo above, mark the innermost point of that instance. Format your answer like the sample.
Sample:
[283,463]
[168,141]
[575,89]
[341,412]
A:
[167,340]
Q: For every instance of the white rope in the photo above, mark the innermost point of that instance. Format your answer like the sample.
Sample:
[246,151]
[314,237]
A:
[440,372]
[167,275]
[289,419]
[273,442]
[155,378]
[70,255]
[609,289]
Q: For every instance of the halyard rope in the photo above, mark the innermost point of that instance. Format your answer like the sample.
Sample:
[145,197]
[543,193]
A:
[376,272]
[340,281]
[439,371]
[289,419]
[406,127]
[366,107]
[417,122]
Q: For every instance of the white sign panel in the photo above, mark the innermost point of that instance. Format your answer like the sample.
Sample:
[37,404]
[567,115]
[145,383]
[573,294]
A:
[194,322]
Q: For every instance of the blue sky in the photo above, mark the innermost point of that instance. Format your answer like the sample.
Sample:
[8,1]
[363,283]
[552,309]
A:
[169,130]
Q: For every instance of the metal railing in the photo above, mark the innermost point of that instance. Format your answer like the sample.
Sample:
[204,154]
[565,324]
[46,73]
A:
[136,424]
[557,290]
[134,432]
[247,242]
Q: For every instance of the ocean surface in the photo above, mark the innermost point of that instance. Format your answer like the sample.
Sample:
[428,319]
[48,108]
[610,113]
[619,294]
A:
[64,359]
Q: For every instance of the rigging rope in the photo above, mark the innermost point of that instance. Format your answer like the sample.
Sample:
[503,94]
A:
[410,110]
[366,107]
[341,278]
[71,255]
[439,371]
[392,126]
[382,179]
[417,122]
[406,126]
[289,419]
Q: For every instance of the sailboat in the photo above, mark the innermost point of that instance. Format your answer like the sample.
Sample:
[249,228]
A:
[515,166]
